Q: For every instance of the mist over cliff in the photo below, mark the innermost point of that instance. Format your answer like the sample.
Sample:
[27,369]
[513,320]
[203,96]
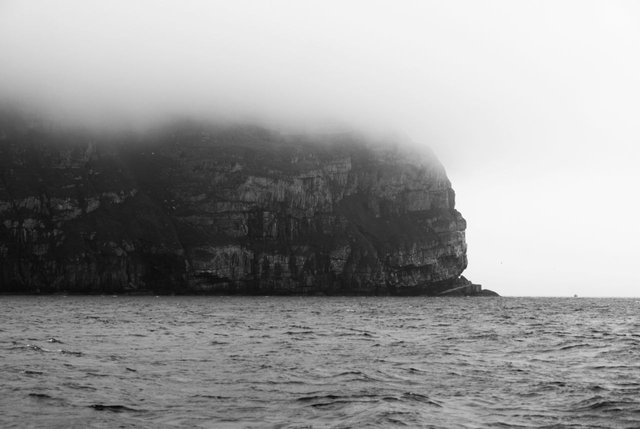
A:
[191,207]
[531,106]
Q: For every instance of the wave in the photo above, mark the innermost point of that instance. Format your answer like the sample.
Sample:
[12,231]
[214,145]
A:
[114,408]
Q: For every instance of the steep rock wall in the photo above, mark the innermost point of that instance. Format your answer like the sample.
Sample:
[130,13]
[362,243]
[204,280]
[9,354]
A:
[223,210]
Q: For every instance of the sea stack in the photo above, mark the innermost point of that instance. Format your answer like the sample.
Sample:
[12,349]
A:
[191,208]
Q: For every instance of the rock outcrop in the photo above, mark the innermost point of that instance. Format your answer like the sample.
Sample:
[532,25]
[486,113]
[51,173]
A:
[195,209]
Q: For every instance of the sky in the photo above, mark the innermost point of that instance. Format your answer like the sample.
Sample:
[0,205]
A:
[533,107]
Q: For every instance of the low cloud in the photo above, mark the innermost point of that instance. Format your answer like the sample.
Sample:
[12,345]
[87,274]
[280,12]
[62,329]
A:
[501,90]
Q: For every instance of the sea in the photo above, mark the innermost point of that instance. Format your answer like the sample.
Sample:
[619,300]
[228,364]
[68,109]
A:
[318,362]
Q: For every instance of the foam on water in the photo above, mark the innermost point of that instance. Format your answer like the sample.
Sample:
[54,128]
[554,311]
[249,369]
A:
[318,362]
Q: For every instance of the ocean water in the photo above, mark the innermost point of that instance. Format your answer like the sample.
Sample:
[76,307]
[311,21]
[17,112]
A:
[316,362]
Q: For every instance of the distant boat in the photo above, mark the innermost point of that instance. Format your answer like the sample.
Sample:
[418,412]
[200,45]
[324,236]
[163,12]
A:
[575,296]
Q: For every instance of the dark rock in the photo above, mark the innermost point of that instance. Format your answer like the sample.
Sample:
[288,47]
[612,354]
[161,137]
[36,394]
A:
[488,292]
[194,209]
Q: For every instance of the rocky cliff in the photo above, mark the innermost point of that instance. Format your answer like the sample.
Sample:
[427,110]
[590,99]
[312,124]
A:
[191,208]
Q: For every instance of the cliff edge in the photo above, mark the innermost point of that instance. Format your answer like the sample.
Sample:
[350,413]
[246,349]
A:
[234,209]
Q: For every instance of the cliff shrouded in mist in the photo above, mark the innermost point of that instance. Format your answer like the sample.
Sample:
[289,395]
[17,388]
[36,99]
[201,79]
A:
[226,209]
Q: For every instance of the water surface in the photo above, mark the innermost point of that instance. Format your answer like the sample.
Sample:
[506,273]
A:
[114,361]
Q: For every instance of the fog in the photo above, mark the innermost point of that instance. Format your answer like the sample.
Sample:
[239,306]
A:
[532,107]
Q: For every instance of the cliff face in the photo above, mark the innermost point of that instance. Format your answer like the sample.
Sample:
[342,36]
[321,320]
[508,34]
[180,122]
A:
[226,210]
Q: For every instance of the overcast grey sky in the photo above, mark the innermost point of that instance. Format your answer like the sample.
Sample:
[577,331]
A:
[532,106]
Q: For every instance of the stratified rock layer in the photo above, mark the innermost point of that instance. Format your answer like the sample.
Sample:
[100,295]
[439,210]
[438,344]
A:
[223,210]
